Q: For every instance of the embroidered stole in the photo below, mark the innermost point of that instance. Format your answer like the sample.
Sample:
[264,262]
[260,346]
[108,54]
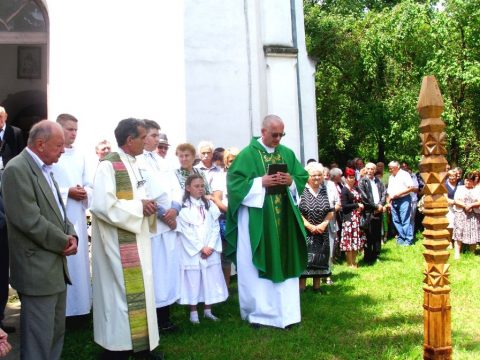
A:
[132,269]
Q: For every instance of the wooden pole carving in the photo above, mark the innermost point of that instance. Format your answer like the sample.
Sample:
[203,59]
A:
[437,342]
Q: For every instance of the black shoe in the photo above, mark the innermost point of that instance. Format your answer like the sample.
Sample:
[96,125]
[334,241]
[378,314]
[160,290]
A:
[8,329]
[256,326]
[157,356]
[149,355]
[168,327]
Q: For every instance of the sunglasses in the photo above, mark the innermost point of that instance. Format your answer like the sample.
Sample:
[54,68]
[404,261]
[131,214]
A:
[277,135]
[162,147]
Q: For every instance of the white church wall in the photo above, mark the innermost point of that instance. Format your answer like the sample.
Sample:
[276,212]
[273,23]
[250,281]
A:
[217,76]
[282,96]
[277,24]
[307,89]
[115,59]
[231,84]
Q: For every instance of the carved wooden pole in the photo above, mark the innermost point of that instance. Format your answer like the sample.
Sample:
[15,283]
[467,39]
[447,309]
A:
[437,343]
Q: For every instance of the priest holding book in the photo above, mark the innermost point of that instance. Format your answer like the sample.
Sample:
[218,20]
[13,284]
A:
[265,232]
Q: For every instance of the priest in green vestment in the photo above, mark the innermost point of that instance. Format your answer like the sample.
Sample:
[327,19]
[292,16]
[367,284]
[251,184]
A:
[265,232]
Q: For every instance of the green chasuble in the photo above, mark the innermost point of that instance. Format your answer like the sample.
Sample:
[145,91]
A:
[277,233]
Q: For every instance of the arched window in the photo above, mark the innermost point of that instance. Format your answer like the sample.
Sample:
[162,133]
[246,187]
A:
[21,16]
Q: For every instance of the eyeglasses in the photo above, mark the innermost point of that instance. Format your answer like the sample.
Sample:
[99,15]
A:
[277,135]
[162,147]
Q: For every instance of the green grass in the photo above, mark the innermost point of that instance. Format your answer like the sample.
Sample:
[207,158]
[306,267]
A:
[373,312]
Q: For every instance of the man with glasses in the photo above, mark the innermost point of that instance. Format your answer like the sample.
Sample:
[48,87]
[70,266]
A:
[265,232]
[163,145]
[206,164]
[124,313]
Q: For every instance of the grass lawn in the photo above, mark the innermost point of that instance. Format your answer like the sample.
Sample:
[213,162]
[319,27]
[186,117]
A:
[373,312]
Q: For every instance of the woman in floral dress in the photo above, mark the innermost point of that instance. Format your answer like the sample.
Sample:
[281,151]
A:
[353,238]
[466,217]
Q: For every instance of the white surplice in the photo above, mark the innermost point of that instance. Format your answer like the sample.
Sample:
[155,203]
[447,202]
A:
[70,171]
[202,280]
[161,186]
[110,312]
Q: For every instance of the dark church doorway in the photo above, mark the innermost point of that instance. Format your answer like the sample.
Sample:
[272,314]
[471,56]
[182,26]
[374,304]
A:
[24,65]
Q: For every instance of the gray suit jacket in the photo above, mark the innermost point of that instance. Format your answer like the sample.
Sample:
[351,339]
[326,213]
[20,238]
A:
[37,234]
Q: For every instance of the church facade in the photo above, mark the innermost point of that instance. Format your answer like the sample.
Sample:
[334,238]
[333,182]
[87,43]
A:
[204,70]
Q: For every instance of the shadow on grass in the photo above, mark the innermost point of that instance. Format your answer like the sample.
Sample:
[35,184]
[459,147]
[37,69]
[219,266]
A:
[355,318]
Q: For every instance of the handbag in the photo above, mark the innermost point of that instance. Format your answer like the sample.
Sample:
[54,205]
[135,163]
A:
[365,222]
[314,261]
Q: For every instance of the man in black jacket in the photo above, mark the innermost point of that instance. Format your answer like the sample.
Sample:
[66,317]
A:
[11,144]
[373,195]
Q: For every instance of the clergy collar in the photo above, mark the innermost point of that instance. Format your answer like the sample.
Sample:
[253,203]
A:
[267,148]
[121,152]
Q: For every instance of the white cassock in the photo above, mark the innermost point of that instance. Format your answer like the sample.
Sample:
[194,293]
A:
[111,328]
[261,300]
[161,186]
[70,171]
[202,280]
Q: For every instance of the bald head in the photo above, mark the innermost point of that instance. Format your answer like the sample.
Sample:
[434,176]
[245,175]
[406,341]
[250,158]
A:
[272,130]
[47,141]
[269,119]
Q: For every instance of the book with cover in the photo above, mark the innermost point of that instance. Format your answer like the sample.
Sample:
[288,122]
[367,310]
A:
[273,169]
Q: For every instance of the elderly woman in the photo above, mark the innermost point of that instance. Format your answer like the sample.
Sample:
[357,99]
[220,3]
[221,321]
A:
[316,213]
[353,238]
[336,176]
[220,198]
[334,198]
[186,157]
[466,218]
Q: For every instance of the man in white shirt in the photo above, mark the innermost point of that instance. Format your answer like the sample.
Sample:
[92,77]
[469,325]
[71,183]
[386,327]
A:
[400,185]
[205,150]
[165,244]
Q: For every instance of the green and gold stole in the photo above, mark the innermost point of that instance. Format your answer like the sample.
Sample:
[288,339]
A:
[132,269]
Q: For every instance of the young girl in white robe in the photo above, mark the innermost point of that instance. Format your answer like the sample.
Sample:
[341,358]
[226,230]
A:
[201,268]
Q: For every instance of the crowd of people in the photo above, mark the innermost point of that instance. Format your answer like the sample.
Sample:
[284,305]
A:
[163,234]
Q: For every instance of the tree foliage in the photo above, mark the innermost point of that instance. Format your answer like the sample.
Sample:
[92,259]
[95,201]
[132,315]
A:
[371,58]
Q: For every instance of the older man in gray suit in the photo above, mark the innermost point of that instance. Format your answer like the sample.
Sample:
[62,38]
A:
[40,238]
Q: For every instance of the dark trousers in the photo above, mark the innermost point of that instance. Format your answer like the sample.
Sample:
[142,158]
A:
[4,268]
[163,316]
[373,245]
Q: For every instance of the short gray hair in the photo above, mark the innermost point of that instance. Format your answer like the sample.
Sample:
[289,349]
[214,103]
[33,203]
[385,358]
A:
[335,172]
[205,143]
[314,166]
[394,164]
[41,130]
